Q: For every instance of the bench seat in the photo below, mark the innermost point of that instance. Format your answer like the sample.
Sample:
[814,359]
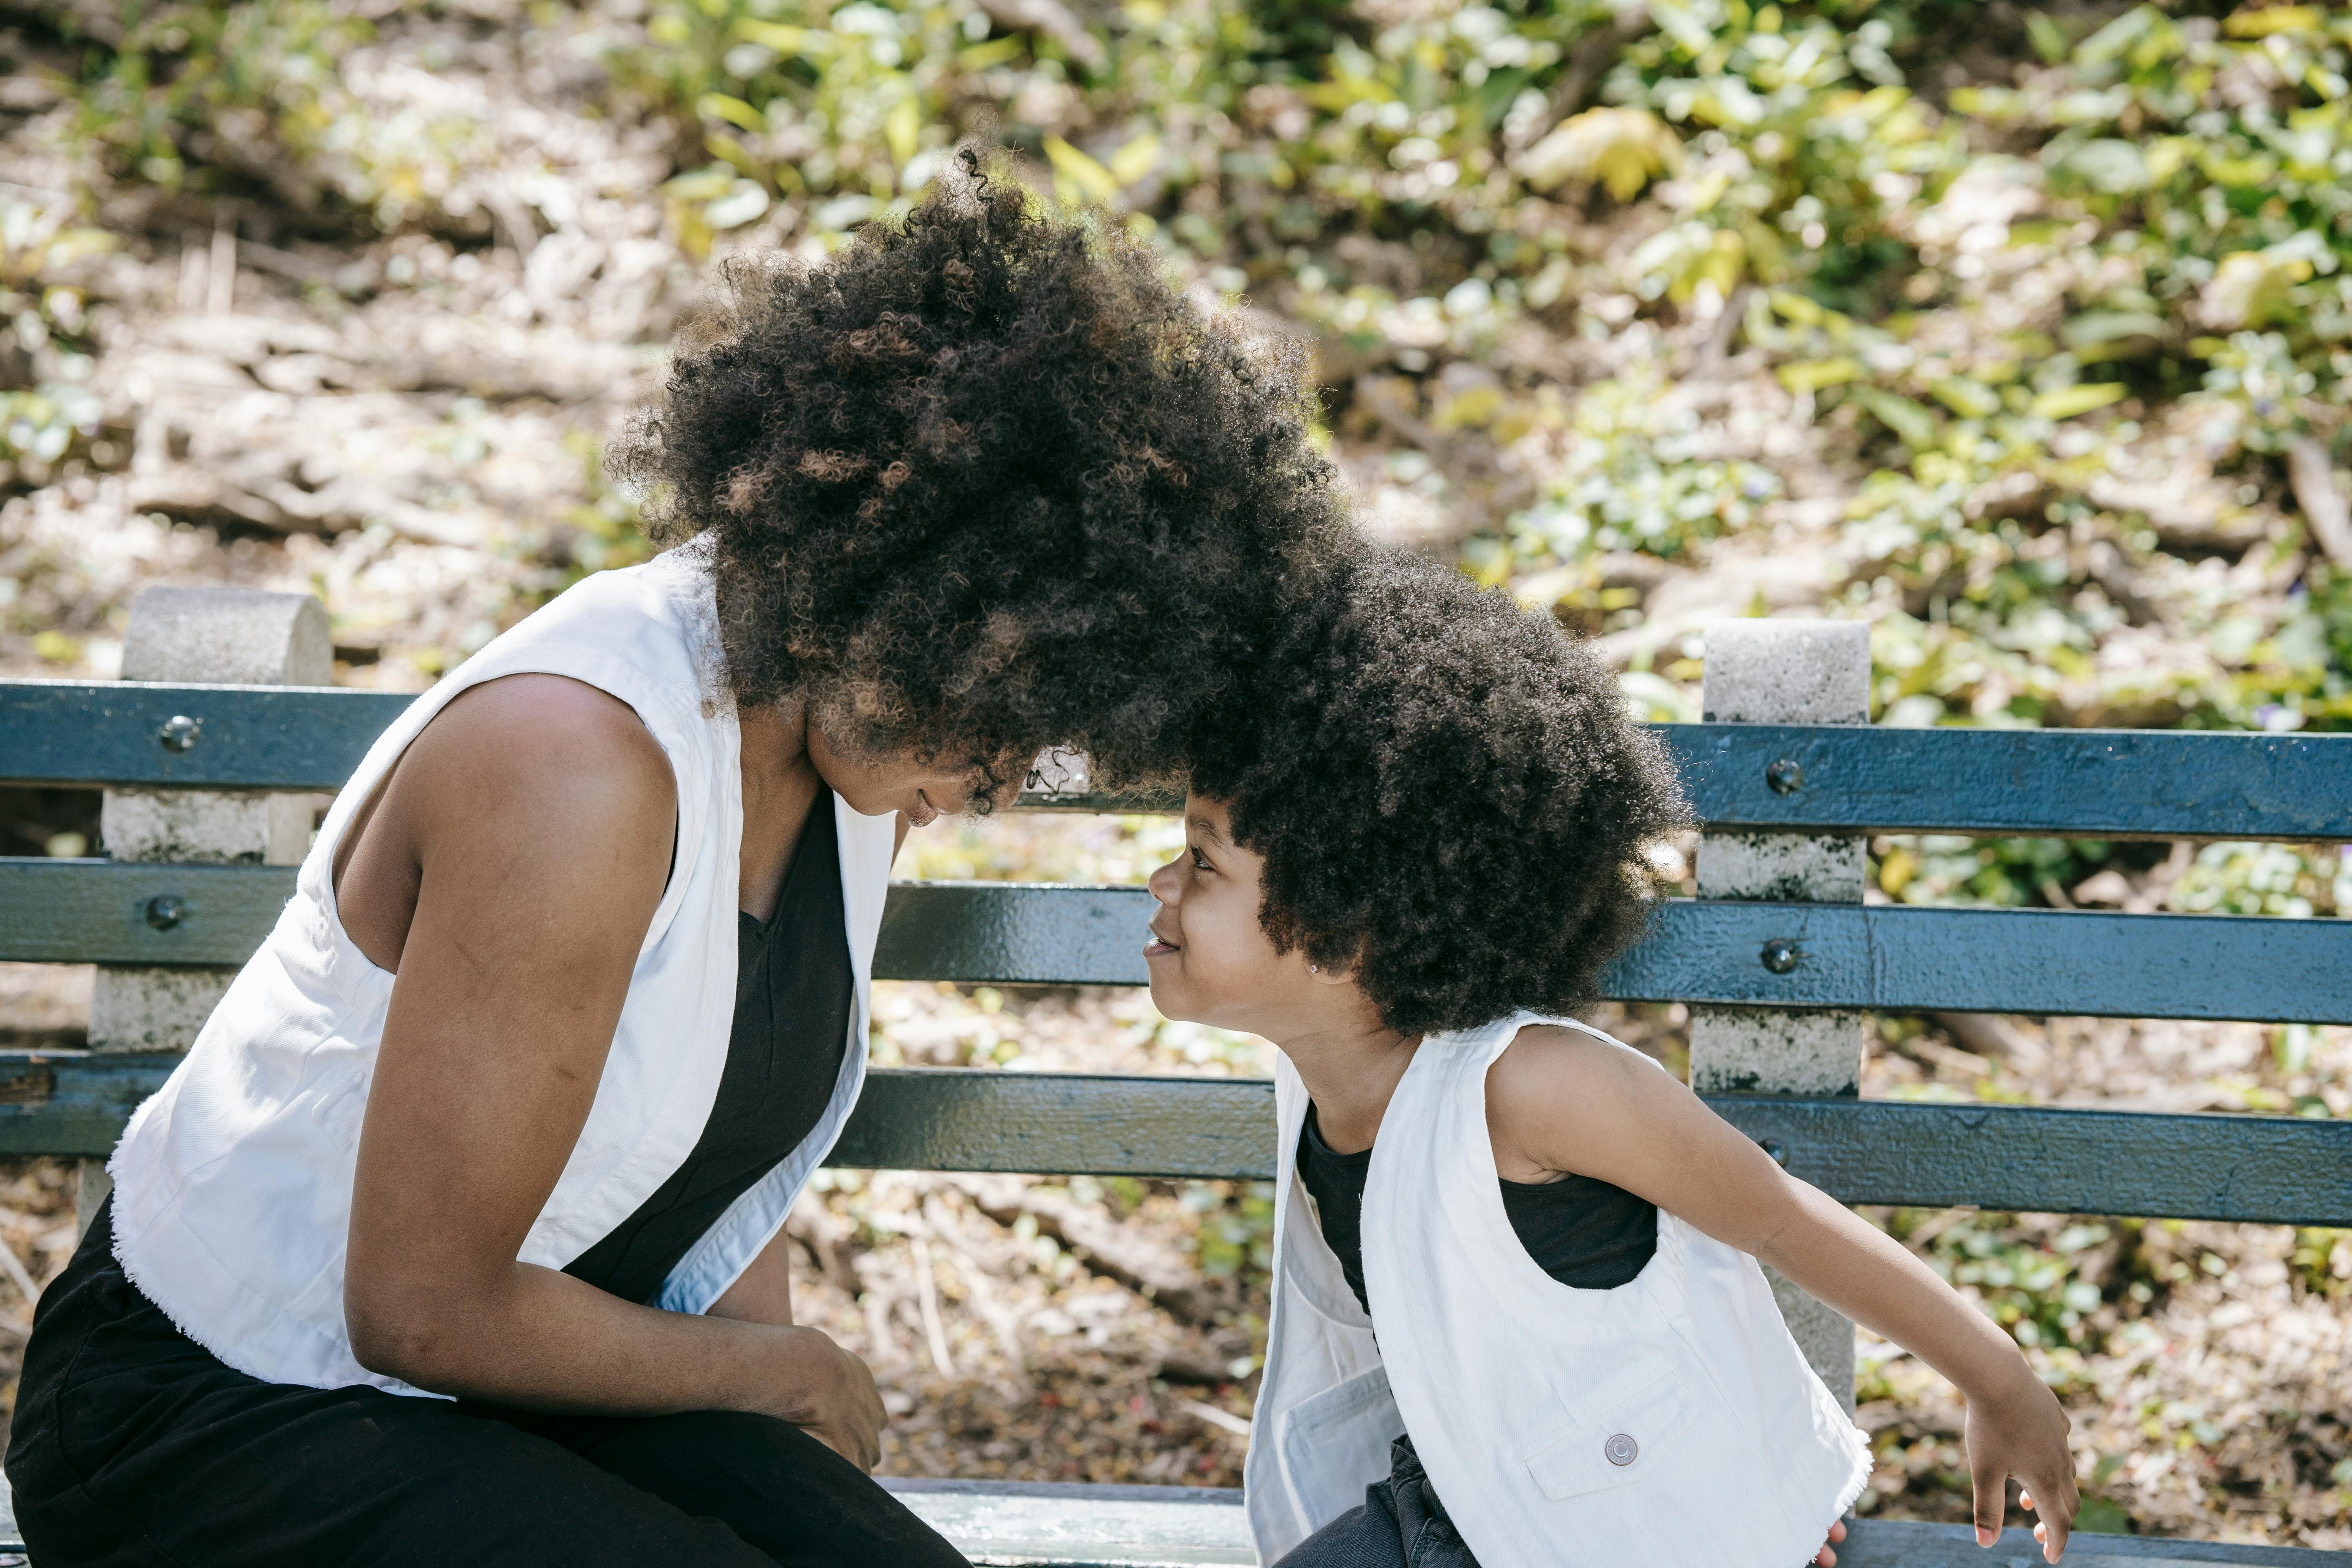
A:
[1048,1524]
[1073,1526]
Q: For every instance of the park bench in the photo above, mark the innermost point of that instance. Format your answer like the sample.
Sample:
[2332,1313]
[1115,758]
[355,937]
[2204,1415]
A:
[1779,958]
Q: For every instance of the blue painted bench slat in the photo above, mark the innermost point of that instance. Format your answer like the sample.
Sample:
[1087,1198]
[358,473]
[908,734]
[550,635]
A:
[2275,1169]
[1759,954]
[2089,784]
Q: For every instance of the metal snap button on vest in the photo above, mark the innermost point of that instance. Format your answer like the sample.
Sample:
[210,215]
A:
[1620,1450]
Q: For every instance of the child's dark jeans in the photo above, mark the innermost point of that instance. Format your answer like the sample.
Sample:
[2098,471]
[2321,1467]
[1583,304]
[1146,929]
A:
[1400,1524]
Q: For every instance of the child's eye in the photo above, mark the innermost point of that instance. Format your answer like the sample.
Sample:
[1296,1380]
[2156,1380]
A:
[1199,864]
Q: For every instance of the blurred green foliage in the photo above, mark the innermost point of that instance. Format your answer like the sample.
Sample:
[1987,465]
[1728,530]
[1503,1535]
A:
[2016,267]
[2047,298]
[2082,1284]
[2170,180]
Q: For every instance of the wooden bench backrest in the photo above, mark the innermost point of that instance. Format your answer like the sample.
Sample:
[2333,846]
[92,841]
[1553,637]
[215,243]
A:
[1754,778]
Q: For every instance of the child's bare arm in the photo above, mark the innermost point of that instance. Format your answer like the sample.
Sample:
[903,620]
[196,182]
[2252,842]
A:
[1563,1102]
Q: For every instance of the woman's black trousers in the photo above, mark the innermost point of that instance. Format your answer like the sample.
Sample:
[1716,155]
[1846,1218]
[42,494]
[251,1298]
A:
[133,1445]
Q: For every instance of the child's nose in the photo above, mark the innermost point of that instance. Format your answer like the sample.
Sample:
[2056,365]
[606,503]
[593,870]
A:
[1164,883]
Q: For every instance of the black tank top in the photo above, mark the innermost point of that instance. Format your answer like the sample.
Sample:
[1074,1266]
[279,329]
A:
[793,991]
[1580,1231]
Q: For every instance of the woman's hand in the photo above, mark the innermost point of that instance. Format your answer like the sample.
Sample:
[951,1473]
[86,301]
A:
[2021,1431]
[830,1394]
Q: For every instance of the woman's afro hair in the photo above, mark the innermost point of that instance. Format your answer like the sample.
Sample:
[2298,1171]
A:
[1449,796]
[983,482]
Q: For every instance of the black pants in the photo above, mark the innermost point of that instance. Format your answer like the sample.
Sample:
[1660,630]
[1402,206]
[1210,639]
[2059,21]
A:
[134,1445]
[1400,1524]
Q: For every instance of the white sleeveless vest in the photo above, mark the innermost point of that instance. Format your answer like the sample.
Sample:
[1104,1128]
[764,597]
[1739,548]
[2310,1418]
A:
[1670,1420]
[233,1184]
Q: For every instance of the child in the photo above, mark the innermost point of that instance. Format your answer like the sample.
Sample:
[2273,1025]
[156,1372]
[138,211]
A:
[1412,843]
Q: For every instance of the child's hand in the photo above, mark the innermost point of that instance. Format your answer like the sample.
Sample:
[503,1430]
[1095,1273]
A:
[1825,1558]
[2022,1432]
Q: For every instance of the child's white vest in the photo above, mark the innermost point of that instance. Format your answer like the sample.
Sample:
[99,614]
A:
[1669,1421]
[233,1184]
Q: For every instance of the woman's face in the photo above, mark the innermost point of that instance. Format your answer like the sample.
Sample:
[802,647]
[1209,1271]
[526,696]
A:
[1211,961]
[924,789]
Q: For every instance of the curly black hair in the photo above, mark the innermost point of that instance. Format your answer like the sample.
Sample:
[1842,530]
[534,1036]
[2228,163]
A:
[984,482]
[1449,795]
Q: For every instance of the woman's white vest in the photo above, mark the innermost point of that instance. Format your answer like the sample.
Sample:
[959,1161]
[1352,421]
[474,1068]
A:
[1669,1421]
[233,1184]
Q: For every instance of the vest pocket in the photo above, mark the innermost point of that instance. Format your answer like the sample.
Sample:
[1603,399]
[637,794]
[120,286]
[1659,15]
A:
[1631,1436]
[1336,1444]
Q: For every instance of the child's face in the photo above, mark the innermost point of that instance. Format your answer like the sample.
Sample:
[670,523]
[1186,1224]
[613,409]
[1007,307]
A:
[1211,961]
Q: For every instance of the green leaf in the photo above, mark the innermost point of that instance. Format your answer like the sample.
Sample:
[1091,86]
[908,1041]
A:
[2108,165]
[2068,401]
[1135,159]
[2097,1516]
[1968,399]
[2273,19]
[808,42]
[2049,39]
[1915,426]
[734,111]
[1812,376]
[702,185]
[1095,181]
[2111,326]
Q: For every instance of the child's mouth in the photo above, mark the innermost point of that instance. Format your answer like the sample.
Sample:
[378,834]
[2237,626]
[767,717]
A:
[1159,947]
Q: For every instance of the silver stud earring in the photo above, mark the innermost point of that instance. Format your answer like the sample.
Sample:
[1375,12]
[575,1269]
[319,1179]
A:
[1314,969]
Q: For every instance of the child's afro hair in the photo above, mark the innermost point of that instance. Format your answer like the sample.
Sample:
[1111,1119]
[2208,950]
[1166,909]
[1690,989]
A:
[983,482]
[1450,797]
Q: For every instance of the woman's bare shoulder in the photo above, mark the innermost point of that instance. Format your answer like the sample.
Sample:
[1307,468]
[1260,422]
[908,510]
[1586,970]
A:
[541,743]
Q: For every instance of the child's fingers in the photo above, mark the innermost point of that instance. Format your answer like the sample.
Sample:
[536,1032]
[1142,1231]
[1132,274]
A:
[1992,1497]
[2057,1522]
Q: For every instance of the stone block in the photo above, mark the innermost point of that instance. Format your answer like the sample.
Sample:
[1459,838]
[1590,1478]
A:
[228,636]
[153,1009]
[1775,1050]
[1784,868]
[1787,672]
[209,826]
[1825,1336]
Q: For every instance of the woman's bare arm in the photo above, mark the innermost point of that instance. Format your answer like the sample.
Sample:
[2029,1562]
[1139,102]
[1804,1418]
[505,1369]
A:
[534,821]
[1560,1101]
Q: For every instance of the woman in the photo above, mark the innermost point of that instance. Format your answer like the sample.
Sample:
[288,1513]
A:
[572,995]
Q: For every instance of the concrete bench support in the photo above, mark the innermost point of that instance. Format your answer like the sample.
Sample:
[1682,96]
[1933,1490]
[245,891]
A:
[224,636]
[1786,673]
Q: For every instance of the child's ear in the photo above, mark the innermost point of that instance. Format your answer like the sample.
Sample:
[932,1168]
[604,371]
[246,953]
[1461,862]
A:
[1329,974]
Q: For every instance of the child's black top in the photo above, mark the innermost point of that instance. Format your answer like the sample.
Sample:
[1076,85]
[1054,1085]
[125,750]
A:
[1580,1231]
[794,989]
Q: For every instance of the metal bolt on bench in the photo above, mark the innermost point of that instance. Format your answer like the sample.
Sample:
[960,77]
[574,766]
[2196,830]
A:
[209,751]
